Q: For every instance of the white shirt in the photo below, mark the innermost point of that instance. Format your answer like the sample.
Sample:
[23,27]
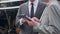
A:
[29,6]
[35,6]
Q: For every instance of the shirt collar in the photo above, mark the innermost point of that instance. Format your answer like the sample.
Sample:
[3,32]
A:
[35,2]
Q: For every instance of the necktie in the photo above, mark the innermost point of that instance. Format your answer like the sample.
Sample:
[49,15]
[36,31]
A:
[32,10]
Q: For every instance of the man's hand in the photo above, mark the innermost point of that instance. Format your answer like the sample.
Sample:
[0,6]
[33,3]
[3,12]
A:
[23,20]
[30,23]
[33,20]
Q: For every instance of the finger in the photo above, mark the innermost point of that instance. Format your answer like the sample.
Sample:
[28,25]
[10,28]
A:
[36,19]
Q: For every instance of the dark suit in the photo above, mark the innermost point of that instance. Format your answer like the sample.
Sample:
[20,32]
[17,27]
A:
[23,9]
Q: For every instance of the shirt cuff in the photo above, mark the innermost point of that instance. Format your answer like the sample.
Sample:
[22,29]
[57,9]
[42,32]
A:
[21,22]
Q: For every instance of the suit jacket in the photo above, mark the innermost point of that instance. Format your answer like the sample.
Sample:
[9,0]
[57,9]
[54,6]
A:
[23,9]
[50,21]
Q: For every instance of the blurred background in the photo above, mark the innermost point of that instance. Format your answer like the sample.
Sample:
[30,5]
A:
[8,11]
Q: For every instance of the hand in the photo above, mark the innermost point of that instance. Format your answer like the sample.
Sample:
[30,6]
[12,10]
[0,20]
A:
[23,20]
[35,19]
[30,23]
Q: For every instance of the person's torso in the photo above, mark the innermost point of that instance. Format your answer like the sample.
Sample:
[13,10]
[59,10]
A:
[24,10]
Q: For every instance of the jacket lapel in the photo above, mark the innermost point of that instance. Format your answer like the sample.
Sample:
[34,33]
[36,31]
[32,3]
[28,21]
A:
[38,10]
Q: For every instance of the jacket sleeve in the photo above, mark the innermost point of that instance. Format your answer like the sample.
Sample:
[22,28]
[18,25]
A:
[43,26]
[18,18]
